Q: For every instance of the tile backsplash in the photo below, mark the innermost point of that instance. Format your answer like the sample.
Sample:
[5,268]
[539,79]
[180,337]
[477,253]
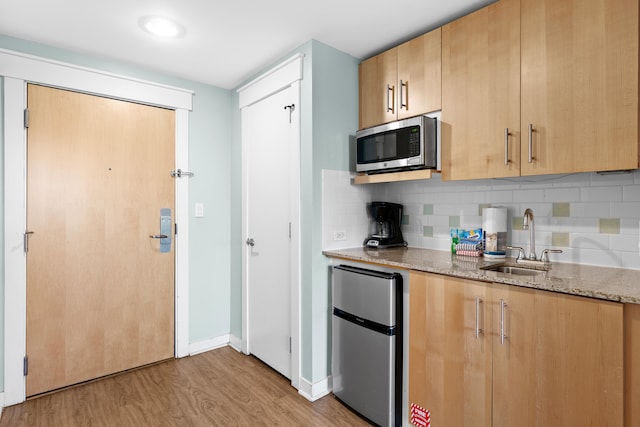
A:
[594,219]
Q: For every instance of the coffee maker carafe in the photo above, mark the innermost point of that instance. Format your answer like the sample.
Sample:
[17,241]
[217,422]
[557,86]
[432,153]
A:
[384,228]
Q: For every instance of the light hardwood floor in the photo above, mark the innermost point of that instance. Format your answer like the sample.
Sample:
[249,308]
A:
[218,388]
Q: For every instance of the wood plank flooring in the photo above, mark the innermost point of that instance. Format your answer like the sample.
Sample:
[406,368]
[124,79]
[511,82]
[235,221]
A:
[221,387]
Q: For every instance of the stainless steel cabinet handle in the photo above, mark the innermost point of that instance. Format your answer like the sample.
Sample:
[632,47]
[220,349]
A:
[250,242]
[158,236]
[506,146]
[479,330]
[503,334]
[403,104]
[530,143]
[390,103]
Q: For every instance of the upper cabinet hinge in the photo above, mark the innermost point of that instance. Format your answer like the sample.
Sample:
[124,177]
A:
[26,118]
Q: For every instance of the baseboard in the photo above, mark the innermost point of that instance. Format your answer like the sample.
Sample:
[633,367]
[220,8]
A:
[317,390]
[235,343]
[1,403]
[206,345]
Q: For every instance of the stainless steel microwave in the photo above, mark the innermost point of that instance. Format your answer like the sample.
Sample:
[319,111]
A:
[401,145]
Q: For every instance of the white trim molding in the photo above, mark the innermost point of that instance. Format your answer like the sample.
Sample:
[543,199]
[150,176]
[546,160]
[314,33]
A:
[18,70]
[208,345]
[317,390]
[59,74]
[272,81]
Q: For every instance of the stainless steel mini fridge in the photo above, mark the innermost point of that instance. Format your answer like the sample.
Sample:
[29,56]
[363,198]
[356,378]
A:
[367,342]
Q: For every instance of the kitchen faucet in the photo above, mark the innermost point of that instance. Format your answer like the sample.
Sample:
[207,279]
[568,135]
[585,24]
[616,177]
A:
[527,224]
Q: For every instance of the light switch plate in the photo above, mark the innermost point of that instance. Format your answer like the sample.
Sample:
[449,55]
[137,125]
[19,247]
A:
[199,210]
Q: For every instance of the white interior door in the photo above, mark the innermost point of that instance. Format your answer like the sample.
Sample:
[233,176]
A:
[269,128]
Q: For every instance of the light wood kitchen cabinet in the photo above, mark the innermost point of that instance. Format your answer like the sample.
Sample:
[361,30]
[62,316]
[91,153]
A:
[449,369]
[579,85]
[402,82]
[481,93]
[561,76]
[487,354]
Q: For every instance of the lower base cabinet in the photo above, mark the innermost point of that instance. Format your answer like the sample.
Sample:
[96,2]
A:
[486,354]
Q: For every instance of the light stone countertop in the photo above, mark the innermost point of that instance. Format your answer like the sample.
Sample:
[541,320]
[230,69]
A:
[614,284]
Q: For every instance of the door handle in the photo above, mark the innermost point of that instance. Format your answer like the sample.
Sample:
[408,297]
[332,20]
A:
[165,231]
[250,242]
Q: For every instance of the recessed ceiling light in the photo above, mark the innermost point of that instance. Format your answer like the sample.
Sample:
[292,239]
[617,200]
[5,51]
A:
[161,27]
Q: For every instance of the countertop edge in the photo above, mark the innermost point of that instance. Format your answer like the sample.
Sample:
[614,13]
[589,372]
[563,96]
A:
[604,283]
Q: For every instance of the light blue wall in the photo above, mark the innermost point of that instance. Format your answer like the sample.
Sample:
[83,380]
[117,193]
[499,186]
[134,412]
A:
[335,119]
[329,114]
[209,157]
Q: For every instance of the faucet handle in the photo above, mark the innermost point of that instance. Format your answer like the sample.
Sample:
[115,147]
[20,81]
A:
[546,252]
[520,250]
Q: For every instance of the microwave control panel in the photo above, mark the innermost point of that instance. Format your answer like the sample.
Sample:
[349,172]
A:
[414,141]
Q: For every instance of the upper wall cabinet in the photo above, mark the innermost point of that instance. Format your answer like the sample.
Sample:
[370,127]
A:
[536,87]
[481,93]
[402,82]
[579,86]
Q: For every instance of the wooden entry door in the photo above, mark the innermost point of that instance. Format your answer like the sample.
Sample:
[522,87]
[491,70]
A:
[100,292]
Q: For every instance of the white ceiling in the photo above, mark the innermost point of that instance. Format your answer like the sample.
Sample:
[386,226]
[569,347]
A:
[227,42]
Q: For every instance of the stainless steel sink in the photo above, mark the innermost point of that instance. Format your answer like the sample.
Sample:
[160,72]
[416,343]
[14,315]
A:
[516,270]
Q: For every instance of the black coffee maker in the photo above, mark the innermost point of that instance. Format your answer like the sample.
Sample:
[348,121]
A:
[384,230]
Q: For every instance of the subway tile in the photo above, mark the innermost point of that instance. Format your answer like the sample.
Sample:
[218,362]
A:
[562,195]
[560,240]
[561,209]
[454,221]
[610,225]
[625,243]
[427,231]
[427,209]
[524,196]
[601,194]
[631,193]
[626,210]
[590,210]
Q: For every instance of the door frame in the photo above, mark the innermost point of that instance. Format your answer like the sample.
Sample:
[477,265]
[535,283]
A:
[287,74]
[18,69]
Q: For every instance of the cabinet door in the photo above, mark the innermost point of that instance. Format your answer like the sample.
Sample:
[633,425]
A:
[579,85]
[378,90]
[560,362]
[481,93]
[420,75]
[449,367]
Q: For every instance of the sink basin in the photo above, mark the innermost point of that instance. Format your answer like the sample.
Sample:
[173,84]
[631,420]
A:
[516,270]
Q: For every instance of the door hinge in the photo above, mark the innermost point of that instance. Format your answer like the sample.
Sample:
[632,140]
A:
[26,118]
[290,344]
[289,230]
[25,366]
[175,229]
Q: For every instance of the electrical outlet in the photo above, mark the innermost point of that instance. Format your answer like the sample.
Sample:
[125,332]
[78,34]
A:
[340,235]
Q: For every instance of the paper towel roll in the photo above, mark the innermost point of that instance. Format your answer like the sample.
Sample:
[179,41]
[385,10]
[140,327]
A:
[494,227]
